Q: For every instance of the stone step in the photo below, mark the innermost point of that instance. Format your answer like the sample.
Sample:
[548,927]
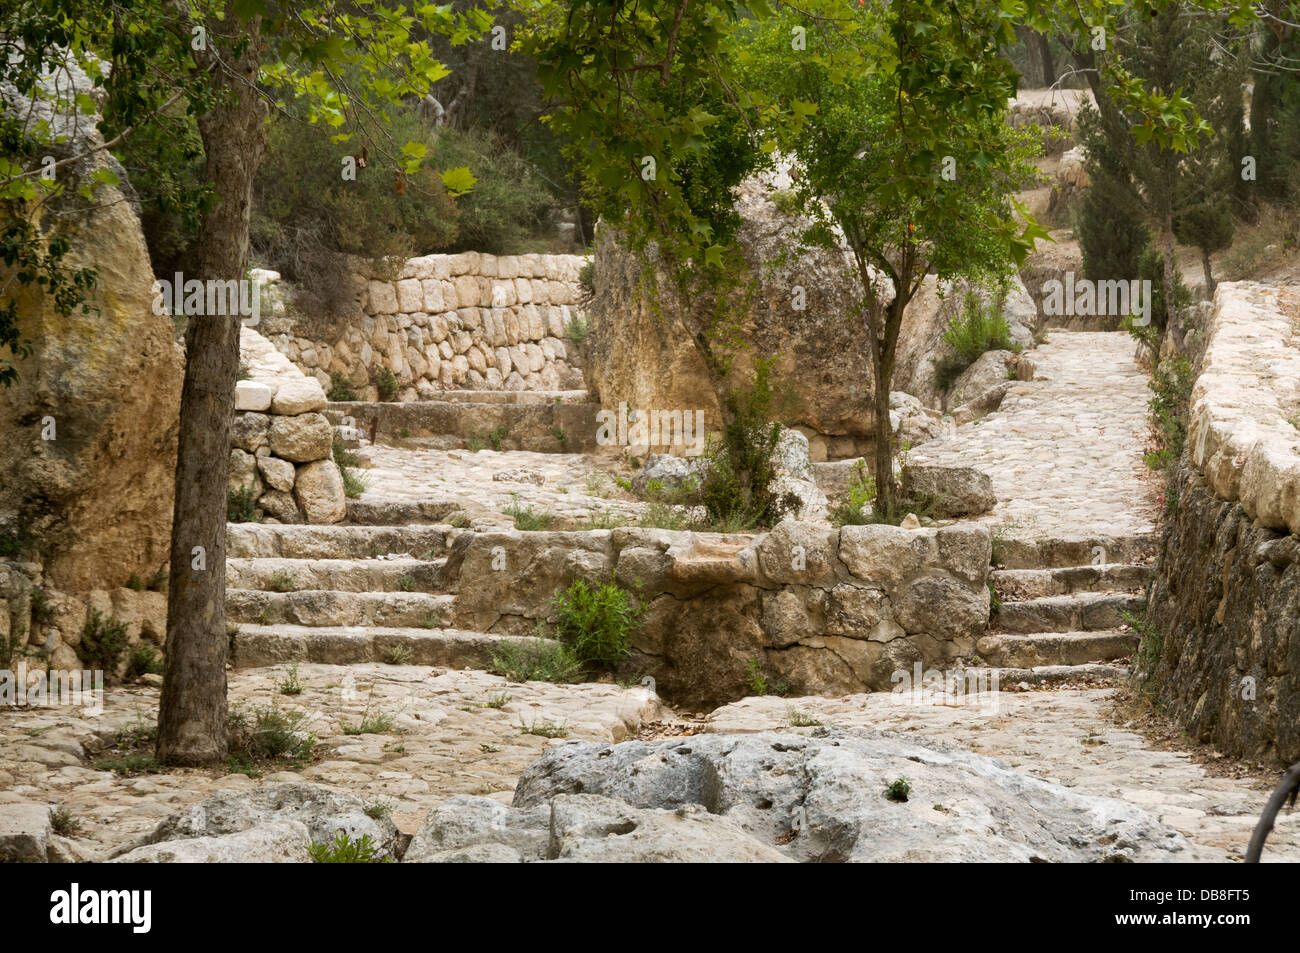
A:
[327,607]
[1017,552]
[274,574]
[459,423]
[254,540]
[1055,648]
[1078,612]
[255,645]
[406,512]
[1011,679]
[1021,584]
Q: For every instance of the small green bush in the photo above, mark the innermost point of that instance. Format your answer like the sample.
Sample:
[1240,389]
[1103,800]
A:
[345,850]
[341,388]
[386,384]
[898,789]
[586,276]
[970,334]
[144,660]
[528,519]
[103,640]
[597,622]
[536,660]
[854,510]
[576,329]
[241,505]
[267,733]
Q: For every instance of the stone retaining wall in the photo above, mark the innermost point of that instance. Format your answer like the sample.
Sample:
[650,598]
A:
[824,610]
[445,322]
[1223,652]
[281,442]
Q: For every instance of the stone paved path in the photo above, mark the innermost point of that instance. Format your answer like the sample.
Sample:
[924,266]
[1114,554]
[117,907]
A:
[1064,451]
[572,485]
[1068,737]
[445,739]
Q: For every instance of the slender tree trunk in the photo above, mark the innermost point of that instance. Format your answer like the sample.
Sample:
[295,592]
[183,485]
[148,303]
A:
[1209,274]
[1043,49]
[1171,266]
[192,718]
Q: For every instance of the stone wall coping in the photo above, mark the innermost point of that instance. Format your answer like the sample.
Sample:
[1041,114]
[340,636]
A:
[1239,433]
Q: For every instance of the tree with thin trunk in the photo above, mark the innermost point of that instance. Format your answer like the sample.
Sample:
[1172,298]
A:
[231,64]
[911,166]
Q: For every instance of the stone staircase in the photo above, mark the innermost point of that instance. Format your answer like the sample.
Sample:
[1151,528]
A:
[345,594]
[1060,606]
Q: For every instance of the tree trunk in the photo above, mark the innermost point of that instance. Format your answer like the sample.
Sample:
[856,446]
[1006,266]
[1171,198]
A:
[882,463]
[1171,267]
[1209,274]
[192,718]
[1043,49]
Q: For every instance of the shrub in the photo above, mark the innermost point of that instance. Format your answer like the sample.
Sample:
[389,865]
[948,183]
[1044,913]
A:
[597,622]
[528,519]
[282,580]
[103,640]
[341,387]
[241,505]
[510,202]
[344,850]
[386,384]
[536,660]
[290,684]
[268,733]
[586,277]
[576,329]
[144,660]
[898,789]
[970,334]
[853,509]
[354,484]
[737,486]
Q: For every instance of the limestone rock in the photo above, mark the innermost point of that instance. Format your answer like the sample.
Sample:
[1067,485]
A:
[822,798]
[957,491]
[109,381]
[987,373]
[25,833]
[251,395]
[318,489]
[322,811]
[280,842]
[302,438]
[277,473]
[633,354]
[582,828]
[249,431]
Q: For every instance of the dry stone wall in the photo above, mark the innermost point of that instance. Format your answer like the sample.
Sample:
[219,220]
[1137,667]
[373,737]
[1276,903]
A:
[1223,650]
[824,610]
[281,441]
[446,322]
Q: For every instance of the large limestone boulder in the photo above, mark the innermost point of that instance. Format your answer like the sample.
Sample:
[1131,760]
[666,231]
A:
[88,431]
[25,833]
[581,827]
[809,799]
[921,347]
[281,842]
[648,360]
[322,812]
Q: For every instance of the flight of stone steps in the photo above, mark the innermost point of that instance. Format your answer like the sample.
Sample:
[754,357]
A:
[345,594]
[1061,607]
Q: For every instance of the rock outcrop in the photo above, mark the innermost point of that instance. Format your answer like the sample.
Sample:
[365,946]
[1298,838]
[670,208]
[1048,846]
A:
[783,797]
[88,430]
[798,308]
